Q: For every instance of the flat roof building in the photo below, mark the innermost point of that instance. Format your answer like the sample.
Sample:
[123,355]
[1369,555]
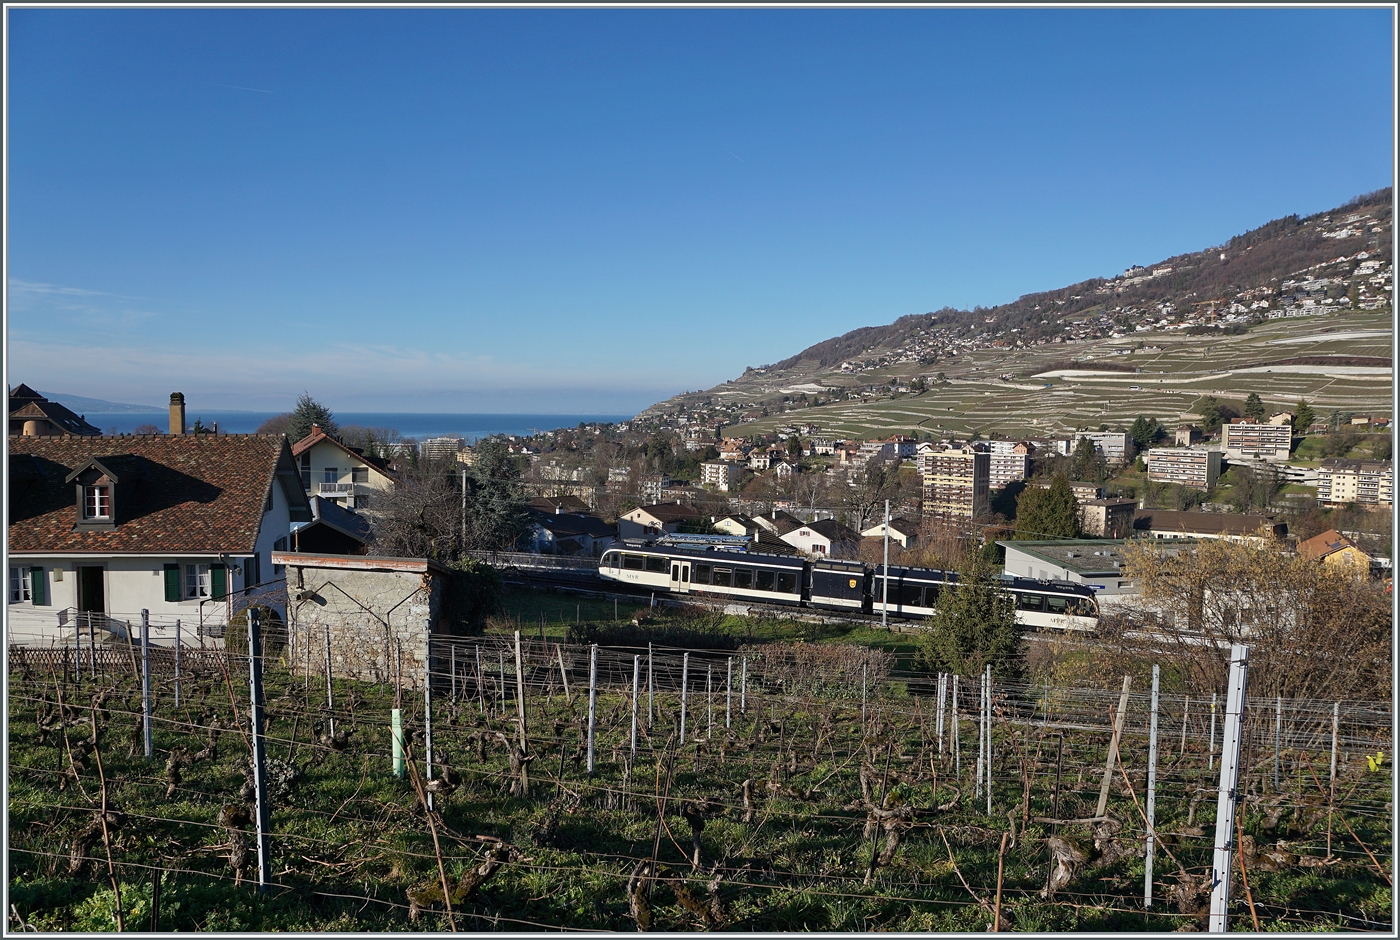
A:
[1196,467]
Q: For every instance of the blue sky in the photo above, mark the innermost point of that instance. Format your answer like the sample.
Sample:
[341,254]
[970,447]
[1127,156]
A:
[591,210]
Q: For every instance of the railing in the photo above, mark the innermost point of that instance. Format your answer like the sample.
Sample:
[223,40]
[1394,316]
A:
[530,560]
[335,489]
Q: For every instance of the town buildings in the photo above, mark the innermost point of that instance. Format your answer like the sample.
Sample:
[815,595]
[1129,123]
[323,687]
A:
[1007,464]
[1114,446]
[646,522]
[1334,550]
[1233,527]
[1196,467]
[1107,518]
[824,538]
[441,448]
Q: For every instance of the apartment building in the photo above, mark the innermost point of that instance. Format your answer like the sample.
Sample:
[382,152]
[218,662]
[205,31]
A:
[441,448]
[1115,446]
[1247,439]
[723,475]
[1107,518]
[1368,482]
[1190,466]
[1009,461]
[956,481]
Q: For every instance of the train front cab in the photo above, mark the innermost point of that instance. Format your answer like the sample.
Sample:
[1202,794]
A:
[841,585]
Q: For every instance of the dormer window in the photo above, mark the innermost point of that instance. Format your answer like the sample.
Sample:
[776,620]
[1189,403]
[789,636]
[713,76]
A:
[97,503]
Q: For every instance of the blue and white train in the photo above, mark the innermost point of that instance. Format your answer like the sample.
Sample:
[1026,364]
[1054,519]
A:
[829,584]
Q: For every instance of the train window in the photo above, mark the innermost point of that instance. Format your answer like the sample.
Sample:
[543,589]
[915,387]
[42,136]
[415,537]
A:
[743,578]
[1032,602]
[702,574]
[1078,607]
[764,580]
[633,562]
[1056,605]
[675,572]
[722,577]
[685,572]
[657,563]
[787,582]
[931,595]
[911,595]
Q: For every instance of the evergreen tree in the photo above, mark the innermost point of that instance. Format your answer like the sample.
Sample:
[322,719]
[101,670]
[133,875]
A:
[1210,414]
[1051,513]
[974,625]
[496,515]
[1084,462]
[308,412]
[1254,407]
[1303,417]
[1143,432]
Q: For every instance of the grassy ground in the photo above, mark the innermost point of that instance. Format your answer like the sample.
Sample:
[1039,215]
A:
[351,842]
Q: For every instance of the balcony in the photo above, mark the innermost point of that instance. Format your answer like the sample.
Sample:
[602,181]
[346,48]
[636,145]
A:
[335,489]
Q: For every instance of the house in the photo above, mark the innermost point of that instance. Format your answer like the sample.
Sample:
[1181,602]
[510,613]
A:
[737,524]
[557,504]
[33,415]
[568,533]
[182,526]
[780,522]
[1187,435]
[733,449]
[345,475]
[826,538]
[1335,550]
[902,532]
[783,470]
[759,459]
[647,522]
[1168,524]
[332,530]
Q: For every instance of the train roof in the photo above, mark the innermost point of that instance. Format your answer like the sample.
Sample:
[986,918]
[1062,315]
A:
[711,554]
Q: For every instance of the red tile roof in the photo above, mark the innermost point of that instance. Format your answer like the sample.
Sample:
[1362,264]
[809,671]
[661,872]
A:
[317,436]
[196,494]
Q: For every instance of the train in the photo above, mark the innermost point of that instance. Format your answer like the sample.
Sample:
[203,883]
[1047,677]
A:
[833,584]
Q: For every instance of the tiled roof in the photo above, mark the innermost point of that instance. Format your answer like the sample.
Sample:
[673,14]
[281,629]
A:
[317,436]
[1327,543]
[669,512]
[196,493]
[25,403]
[573,523]
[1219,523]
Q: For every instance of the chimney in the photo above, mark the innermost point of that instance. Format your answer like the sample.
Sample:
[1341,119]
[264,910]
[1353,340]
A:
[177,412]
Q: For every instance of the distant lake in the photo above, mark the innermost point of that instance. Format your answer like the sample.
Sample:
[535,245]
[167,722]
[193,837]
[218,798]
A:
[418,425]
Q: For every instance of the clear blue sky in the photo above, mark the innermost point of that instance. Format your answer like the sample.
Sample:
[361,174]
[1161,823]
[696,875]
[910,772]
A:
[591,210]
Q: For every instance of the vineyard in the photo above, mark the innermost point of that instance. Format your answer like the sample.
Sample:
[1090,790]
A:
[790,786]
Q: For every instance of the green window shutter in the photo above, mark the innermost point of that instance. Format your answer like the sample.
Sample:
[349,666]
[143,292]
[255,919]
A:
[218,576]
[172,583]
[38,587]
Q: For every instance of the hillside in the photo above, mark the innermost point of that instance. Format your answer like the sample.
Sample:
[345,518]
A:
[1285,280]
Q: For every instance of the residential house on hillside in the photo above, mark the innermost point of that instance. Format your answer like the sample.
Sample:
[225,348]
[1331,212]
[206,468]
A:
[33,415]
[332,530]
[558,504]
[180,525]
[780,522]
[568,533]
[345,475]
[647,522]
[736,524]
[1335,550]
[826,538]
[902,532]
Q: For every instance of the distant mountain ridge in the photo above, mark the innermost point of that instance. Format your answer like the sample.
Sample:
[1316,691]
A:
[1284,246]
[98,406]
[1276,269]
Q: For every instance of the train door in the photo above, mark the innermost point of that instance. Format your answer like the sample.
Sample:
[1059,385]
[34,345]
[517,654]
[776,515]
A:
[680,576]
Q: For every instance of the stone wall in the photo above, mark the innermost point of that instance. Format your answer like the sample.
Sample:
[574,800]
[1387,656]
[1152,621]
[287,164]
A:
[378,622]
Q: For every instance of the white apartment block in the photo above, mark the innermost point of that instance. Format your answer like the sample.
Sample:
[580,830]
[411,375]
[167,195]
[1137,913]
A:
[723,475]
[1190,466]
[1369,482]
[1007,468]
[1115,446]
[1246,439]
